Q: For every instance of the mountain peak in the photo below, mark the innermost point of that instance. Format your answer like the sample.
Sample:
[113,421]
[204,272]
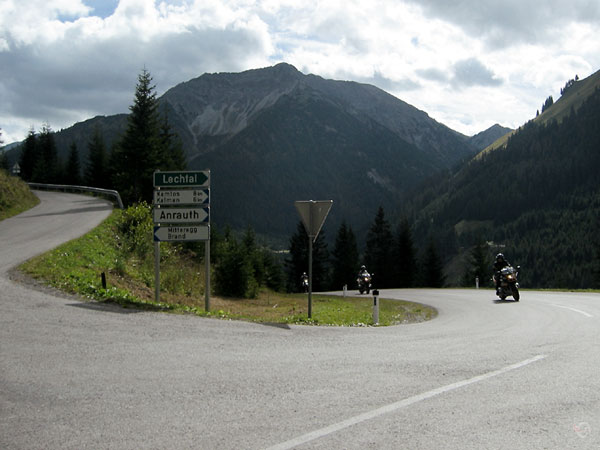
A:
[492,134]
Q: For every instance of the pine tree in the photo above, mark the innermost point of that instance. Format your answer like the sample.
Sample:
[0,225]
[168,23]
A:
[432,269]
[135,158]
[478,264]
[46,168]
[3,158]
[253,255]
[274,277]
[96,174]
[404,257]
[233,274]
[297,263]
[344,258]
[29,155]
[378,254]
[73,168]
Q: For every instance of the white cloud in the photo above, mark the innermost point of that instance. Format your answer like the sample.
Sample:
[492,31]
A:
[468,64]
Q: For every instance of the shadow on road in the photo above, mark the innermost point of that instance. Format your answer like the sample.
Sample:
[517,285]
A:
[283,326]
[106,307]
[69,211]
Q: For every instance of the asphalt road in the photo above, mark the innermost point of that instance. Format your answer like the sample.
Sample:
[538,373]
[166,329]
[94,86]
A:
[77,375]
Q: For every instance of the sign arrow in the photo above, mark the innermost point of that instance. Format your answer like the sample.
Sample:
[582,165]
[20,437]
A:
[181,215]
[181,233]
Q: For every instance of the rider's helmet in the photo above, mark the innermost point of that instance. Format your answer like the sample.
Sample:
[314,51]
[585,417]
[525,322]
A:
[499,257]
[363,267]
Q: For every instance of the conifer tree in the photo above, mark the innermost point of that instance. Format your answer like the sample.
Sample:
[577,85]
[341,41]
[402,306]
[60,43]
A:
[378,254]
[478,264]
[47,166]
[73,168]
[144,148]
[29,156]
[233,274]
[96,174]
[297,263]
[432,269]
[3,158]
[404,257]
[344,258]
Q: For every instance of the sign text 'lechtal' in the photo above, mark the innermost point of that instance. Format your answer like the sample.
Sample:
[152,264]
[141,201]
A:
[182,179]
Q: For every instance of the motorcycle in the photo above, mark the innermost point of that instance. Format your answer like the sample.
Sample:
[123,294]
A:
[509,284]
[364,283]
[304,282]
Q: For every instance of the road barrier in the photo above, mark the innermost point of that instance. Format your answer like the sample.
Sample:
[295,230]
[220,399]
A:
[67,188]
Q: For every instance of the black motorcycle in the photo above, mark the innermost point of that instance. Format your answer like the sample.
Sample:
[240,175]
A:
[509,284]
[364,283]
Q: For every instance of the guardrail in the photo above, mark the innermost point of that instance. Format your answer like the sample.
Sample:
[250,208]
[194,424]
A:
[66,187]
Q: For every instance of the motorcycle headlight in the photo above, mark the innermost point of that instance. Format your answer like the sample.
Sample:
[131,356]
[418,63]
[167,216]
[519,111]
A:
[510,277]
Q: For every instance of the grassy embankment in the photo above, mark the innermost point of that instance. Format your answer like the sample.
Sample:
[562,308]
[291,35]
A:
[126,259]
[15,196]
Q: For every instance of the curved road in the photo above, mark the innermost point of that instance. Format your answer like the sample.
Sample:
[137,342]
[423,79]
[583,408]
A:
[482,375]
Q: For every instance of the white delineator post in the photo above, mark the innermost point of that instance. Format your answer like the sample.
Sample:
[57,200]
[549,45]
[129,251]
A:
[375,306]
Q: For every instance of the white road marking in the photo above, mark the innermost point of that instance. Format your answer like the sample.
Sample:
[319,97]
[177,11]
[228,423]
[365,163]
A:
[397,405]
[573,309]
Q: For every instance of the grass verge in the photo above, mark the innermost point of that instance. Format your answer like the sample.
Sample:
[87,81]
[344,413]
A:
[15,196]
[76,267]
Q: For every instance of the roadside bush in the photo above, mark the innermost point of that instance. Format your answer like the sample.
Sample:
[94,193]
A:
[135,228]
[234,275]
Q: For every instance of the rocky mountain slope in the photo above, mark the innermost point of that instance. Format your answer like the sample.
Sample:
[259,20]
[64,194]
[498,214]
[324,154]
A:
[274,135]
[209,110]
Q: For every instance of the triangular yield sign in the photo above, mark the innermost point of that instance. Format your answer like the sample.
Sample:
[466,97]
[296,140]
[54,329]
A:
[313,214]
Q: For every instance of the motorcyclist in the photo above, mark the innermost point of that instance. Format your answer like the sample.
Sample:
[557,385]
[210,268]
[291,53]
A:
[499,264]
[363,279]
[304,281]
[363,271]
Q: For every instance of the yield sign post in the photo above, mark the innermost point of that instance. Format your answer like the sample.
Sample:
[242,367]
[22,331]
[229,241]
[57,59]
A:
[313,214]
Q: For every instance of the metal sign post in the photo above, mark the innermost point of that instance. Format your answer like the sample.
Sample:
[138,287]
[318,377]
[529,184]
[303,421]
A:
[313,214]
[182,214]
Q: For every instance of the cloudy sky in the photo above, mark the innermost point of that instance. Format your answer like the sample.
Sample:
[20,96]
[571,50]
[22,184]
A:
[468,63]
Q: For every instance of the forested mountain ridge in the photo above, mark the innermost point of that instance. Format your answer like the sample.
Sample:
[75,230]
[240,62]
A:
[574,93]
[537,200]
[274,135]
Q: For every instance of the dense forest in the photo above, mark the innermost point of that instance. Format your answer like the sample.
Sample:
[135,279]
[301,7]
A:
[537,200]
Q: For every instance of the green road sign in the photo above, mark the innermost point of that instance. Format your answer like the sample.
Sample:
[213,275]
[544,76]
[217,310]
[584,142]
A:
[181,215]
[182,179]
[181,196]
